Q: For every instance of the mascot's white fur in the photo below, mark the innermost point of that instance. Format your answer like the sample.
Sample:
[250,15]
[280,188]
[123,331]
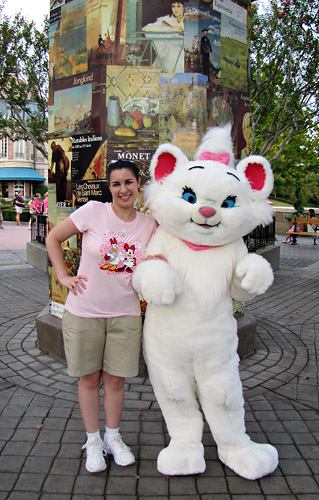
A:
[203,208]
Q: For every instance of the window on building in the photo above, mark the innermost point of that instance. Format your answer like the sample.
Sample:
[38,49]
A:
[4,147]
[38,155]
[18,186]
[19,149]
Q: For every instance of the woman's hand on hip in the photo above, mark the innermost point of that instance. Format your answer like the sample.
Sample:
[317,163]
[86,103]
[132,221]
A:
[76,284]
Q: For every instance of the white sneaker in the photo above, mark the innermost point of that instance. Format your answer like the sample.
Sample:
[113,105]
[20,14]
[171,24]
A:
[94,455]
[120,451]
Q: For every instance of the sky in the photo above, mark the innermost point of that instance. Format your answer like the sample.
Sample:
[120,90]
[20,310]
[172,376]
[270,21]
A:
[33,10]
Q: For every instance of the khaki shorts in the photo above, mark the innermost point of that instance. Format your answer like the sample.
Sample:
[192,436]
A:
[109,344]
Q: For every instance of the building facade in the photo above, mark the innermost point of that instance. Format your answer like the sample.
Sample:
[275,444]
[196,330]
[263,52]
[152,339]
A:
[21,166]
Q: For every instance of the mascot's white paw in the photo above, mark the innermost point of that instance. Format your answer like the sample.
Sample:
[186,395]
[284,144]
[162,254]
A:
[181,459]
[157,282]
[251,461]
[255,273]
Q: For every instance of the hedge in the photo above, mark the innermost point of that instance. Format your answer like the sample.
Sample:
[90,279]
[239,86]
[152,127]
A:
[9,214]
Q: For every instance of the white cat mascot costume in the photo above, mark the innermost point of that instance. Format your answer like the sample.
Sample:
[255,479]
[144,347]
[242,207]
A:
[203,208]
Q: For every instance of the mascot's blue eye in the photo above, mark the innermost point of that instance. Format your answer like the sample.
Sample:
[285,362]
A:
[189,196]
[229,202]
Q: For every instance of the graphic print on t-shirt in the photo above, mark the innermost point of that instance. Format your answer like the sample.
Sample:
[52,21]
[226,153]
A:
[120,253]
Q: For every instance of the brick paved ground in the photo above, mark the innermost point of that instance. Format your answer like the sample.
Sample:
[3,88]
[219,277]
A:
[41,432]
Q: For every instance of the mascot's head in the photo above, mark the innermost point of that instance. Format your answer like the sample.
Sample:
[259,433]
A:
[207,201]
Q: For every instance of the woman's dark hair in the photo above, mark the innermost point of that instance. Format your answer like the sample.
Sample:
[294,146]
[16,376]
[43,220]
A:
[177,1]
[119,164]
[312,212]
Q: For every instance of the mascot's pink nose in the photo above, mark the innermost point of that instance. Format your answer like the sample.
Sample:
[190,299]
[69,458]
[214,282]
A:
[207,212]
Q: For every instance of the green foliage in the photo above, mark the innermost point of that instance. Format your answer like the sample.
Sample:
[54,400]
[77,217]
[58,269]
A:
[285,96]
[24,83]
[10,215]
[284,74]
[296,171]
[40,188]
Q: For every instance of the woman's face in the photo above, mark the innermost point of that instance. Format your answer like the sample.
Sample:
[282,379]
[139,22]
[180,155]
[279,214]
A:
[178,9]
[124,187]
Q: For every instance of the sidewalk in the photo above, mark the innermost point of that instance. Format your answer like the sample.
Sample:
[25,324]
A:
[41,431]
[14,237]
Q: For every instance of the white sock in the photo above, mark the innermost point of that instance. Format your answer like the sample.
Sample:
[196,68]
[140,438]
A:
[93,435]
[110,433]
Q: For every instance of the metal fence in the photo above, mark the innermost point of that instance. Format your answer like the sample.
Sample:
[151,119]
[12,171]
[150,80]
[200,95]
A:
[39,228]
[261,237]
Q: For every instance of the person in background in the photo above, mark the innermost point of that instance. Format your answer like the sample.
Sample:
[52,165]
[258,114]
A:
[102,324]
[34,208]
[1,216]
[300,228]
[19,206]
[312,228]
[45,204]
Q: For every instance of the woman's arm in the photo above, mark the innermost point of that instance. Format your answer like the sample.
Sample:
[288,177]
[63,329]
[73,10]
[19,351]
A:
[60,233]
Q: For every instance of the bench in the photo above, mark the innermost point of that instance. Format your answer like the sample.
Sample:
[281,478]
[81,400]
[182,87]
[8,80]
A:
[296,233]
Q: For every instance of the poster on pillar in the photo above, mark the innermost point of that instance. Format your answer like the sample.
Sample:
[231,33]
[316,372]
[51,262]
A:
[71,33]
[89,169]
[132,101]
[106,32]
[71,256]
[202,40]
[155,35]
[59,173]
[183,110]
[225,105]
[77,104]
[234,46]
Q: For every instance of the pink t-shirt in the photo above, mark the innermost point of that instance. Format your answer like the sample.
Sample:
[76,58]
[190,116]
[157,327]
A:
[111,249]
[37,205]
[45,205]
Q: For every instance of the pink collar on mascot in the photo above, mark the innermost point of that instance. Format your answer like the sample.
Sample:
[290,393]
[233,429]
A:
[196,248]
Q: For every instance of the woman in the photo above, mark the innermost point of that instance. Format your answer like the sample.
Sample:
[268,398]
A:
[19,206]
[300,227]
[312,228]
[102,317]
[35,206]
[1,216]
[45,203]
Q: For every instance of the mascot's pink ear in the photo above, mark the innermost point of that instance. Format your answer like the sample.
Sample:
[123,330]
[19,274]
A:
[165,165]
[258,173]
[256,176]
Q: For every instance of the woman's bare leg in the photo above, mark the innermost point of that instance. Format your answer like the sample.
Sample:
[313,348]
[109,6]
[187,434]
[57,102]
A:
[113,399]
[89,399]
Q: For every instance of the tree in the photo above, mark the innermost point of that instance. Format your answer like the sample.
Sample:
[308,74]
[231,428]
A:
[296,171]
[284,74]
[24,82]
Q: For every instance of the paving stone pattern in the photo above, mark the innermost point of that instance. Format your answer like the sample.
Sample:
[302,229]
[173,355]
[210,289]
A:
[41,431]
